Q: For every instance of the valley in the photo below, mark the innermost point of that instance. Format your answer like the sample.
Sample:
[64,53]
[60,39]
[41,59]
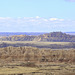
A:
[47,54]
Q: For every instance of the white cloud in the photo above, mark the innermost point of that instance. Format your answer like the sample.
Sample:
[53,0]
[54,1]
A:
[45,20]
[35,22]
[61,19]
[56,19]
[5,18]
[2,18]
[37,17]
[53,19]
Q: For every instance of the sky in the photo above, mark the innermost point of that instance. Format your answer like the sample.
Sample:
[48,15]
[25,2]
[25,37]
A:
[37,15]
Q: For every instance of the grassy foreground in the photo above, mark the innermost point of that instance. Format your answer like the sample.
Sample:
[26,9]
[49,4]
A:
[16,70]
[40,69]
[35,61]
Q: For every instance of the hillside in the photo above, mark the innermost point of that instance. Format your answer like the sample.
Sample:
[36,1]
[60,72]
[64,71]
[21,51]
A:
[18,38]
[57,37]
[50,37]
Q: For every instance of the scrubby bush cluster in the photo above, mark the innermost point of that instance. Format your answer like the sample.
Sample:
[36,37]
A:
[32,54]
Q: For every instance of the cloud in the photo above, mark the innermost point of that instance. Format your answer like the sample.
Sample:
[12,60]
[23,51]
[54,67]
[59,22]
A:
[32,20]
[1,18]
[61,19]
[56,19]
[53,19]
[45,20]
[37,17]
[70,0]
[36,23]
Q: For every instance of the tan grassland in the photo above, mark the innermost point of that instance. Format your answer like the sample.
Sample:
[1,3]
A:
[39,69]
[35,42]
[35,61]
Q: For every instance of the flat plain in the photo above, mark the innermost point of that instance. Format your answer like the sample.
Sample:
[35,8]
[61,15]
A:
[35,42]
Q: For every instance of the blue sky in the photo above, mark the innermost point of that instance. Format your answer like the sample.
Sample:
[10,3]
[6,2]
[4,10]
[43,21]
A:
[37,15]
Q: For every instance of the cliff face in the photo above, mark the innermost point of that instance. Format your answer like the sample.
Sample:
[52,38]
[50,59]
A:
[10,54]
[54,36]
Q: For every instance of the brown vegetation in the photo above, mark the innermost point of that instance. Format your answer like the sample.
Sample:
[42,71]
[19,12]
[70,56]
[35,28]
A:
[35,61]
[10,54]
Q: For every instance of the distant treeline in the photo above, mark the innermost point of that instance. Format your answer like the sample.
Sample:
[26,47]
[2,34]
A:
[48,37]
[52,46]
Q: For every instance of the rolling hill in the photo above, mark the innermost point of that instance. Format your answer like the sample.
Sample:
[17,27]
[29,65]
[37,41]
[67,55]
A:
[48,37]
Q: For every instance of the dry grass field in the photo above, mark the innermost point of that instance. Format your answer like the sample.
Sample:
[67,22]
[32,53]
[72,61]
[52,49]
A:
[35,61]
[39,69]
[16,70]
[35,42]
[52,45]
